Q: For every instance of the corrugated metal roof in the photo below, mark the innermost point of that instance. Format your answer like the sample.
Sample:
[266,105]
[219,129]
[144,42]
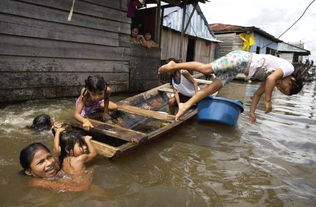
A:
[219,28]
[286,47]
[178,2]
[198,26]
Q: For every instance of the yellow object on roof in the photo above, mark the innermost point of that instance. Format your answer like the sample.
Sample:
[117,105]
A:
[248,39]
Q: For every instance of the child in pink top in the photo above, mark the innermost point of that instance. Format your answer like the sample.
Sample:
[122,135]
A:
[94,96]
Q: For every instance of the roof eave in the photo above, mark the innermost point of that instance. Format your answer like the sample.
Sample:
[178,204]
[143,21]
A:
[249,29]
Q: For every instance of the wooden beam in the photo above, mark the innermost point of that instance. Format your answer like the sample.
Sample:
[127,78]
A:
[112,130]
[147,113]
[166,90]
[161,25]
[158,20]
[182,33]
[203,81]
[104,149]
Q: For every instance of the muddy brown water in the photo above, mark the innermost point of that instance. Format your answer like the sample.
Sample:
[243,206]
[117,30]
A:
[271,163]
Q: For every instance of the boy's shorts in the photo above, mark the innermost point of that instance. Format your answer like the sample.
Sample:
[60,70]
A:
[183,98]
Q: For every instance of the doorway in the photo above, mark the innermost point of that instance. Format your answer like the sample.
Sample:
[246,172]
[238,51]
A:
[190,50]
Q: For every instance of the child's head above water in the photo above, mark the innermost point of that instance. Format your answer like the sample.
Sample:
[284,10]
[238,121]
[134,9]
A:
[96,87]
[42,122]
[72,144]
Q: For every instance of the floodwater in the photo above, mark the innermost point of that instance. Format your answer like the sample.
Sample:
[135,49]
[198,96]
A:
[270,163]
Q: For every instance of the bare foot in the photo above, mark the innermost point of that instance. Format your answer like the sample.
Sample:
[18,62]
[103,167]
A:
[182,109]
[167,67]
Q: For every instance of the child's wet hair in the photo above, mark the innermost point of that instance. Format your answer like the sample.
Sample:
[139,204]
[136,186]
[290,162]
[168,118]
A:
[68,141]
[28,152]
[300,75]
[95,83]
[42,122]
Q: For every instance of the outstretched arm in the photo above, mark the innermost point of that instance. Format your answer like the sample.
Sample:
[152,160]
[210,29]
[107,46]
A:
[56,147]
[255,99]
[92,152]
[269,86]
[176,96]
[106,102]
[85,122]
[154,44]
[188,76]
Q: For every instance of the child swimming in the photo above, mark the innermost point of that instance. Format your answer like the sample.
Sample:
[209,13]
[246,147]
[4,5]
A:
[74,151]
[278,73]
[94,96]
[42,122]
[37,162]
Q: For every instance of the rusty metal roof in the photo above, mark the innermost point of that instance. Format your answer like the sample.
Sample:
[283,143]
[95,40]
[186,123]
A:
[227,28]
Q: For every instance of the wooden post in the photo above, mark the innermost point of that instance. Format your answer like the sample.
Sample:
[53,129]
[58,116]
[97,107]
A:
[182,33]
[157,27]
[161,26]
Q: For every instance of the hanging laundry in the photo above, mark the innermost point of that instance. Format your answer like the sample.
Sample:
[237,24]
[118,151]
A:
[132,6]
[248,39]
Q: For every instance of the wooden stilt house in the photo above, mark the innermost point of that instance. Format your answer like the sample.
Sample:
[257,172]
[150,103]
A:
[46,53]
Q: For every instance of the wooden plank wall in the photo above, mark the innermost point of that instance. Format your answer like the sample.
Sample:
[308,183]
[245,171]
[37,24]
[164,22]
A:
[42,55]
[170,45]
[204,52]
[229,43]
[144,64]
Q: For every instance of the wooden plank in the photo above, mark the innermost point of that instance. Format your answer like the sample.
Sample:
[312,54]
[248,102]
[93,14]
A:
[56,26]
[53,15]
[10,95]
[12,79]
[145,53]
[121,4]
[139,98]
[85,8]
[31,47]
[37,64]
[53,91]
[166,90]
[203,81]
[96,122]
[113,130]
[104,149]
[147,113]
[58,32]
[124,40]
[160,131]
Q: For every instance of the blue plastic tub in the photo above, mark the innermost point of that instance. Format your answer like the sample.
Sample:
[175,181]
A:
[220,110]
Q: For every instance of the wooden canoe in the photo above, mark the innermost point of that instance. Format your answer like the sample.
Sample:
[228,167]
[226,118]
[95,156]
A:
[141,118]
